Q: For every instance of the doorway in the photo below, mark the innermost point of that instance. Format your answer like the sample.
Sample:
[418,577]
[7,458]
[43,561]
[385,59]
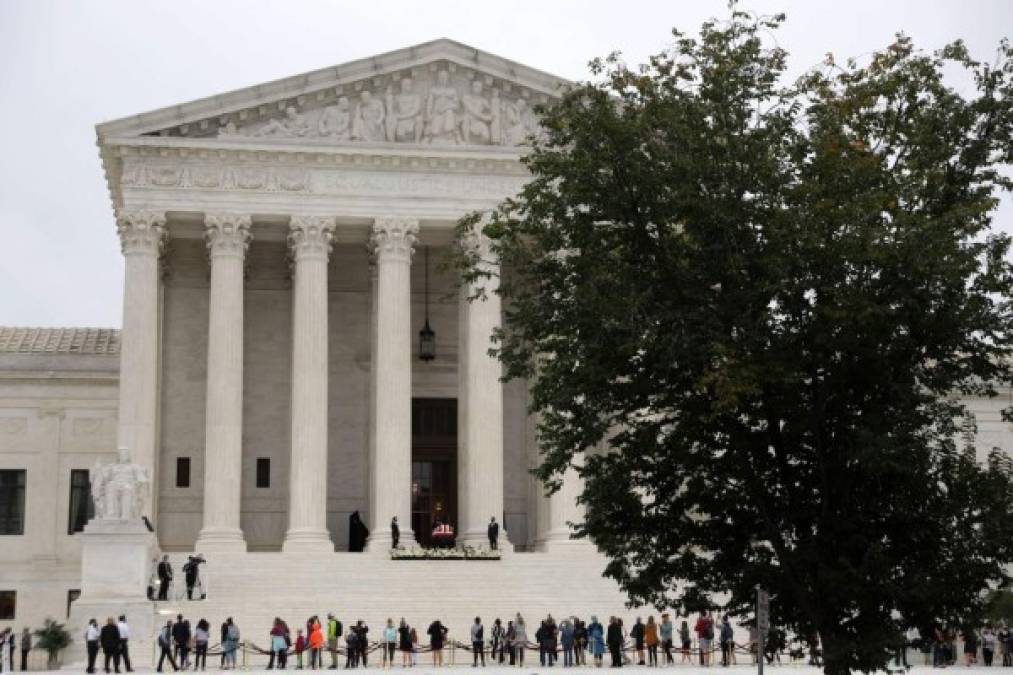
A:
[434,465]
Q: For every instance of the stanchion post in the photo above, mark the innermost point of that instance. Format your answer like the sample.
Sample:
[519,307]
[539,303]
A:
[762,624]
[244,655]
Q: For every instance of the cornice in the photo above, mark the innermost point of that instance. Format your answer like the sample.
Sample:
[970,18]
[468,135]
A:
[399,156]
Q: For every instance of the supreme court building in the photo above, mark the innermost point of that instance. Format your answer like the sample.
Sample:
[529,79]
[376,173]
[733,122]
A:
[282,246]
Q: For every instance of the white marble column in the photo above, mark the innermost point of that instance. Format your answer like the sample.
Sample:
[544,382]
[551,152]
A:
[393,241]
[142,234]
[228,236]
[479,403]
[371,431]
[310,245]
[561,509]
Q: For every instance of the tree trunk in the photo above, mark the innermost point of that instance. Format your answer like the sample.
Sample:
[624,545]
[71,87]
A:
[836,658]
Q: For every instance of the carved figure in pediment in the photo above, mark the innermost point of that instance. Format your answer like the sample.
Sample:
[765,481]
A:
[229,129]
[404,114]
[516,123]
[336,120]
[477,119]
[441,111]
[293,124]
[496,126]
[368,121]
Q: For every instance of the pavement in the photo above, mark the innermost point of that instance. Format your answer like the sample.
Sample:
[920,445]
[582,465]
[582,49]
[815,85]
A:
[426,668]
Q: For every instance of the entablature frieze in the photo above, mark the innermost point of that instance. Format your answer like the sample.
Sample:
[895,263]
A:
[178,176]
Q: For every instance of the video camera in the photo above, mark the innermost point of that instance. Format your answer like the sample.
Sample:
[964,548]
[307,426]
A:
[193,562]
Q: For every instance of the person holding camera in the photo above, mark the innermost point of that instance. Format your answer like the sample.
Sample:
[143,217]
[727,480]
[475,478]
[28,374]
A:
[191,572]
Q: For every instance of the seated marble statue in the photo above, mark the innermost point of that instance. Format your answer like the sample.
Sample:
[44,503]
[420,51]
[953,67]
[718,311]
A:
[120,489]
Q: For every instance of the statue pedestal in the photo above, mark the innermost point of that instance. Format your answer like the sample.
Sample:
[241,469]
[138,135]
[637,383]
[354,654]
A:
[116,558]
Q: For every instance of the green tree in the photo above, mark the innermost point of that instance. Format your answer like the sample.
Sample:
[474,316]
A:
[747,310]
[52,638]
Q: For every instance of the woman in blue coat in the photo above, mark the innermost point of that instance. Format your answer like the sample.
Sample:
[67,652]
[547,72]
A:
[596,640]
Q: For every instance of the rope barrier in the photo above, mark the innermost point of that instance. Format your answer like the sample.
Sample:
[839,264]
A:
[504,649]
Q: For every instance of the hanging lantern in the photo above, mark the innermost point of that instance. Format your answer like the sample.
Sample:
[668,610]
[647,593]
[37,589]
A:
[427,343]
[427,338]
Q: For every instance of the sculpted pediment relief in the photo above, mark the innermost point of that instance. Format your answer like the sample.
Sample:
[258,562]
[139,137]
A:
[442,105]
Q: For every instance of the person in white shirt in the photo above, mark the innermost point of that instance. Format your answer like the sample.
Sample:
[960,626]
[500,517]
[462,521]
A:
[3,648]
[91,635]
[124,630]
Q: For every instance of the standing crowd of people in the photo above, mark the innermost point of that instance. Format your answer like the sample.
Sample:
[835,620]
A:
[113,640]
[10,642]
[991,643]
[572,640]
[651,643]
[185,648]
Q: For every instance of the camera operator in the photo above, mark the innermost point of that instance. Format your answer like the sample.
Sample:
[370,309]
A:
[191,571]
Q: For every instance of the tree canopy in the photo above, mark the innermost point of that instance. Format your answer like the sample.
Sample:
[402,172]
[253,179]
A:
[748,310]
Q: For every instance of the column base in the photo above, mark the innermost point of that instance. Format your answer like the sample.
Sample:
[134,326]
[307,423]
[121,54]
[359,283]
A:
[308,541]
[559,540]
[220,540]
[480,539]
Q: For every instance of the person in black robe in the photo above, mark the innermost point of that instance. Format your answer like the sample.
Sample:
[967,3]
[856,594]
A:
[493,533]
[357,533]
[395,532]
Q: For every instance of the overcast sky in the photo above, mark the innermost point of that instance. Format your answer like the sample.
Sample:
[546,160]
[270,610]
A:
[67,65]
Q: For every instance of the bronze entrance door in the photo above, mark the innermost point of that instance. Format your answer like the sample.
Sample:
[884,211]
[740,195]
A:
[434,465]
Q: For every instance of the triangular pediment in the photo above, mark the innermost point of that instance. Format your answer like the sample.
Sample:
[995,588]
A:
[437,93]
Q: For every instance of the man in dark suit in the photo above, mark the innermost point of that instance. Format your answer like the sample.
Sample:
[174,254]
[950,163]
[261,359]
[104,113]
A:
[493,533]
[181,638]
[164,577]
[395,532]
[109,640]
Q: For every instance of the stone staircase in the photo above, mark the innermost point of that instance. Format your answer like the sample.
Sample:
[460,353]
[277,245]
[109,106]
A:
[253,588]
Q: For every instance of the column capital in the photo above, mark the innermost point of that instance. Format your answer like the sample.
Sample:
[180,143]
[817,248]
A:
[394,237]
[310,237]
[475,243]
[141,231]
[228,234]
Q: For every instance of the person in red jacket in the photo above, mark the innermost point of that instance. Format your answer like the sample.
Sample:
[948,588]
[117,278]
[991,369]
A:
[316,645]
[705,636]
[300,647]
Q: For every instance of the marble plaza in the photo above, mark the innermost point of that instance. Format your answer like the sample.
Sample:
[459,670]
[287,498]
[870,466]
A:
[282,246]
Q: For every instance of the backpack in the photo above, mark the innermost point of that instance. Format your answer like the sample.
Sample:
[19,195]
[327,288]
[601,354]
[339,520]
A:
[708,628]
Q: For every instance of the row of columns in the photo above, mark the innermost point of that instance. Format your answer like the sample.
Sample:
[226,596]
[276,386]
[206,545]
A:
[228,236]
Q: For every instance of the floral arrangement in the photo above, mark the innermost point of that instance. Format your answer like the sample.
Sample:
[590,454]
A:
[455,553]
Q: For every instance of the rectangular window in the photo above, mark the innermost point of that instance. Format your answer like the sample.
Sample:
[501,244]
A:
[72,595]
[8,601]
[263,472]
[182,472]
[12,501]
[81,506]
